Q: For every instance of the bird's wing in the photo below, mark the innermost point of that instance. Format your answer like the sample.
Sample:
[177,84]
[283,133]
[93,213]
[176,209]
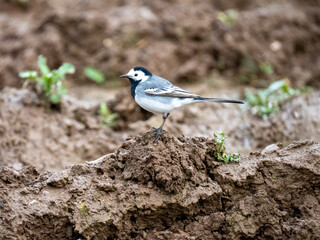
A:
[170,91]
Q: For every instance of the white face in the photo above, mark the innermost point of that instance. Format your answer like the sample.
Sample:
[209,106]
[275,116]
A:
[137,75]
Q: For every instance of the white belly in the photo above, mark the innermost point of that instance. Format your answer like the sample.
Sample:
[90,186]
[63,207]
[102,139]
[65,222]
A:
[166,105]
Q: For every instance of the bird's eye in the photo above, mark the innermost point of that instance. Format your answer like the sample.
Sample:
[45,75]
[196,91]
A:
[136,75]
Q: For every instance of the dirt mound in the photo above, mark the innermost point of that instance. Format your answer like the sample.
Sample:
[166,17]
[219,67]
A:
[167,37]
[170,190]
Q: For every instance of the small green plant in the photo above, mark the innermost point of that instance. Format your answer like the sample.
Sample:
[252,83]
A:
[228,17]
[83,208]
[94,74]
[267,101]
[107,117]
[50,81]
[84,211]
[220,155]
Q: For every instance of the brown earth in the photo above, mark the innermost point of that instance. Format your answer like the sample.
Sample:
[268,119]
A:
[179,40]
[170,190]
[52,139]
[298,118]
[49,139]
[174,189]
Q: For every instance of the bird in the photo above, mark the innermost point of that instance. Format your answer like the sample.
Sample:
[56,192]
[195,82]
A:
[159,96]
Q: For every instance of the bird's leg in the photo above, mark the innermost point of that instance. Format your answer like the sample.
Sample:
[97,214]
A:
[152,130]
[159,130]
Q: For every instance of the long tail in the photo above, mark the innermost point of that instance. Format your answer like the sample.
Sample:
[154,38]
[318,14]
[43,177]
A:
[220,100]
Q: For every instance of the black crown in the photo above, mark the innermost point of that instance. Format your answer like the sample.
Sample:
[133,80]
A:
[146,71]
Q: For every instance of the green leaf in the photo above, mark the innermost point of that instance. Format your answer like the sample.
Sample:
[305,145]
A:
[112,116]
[94,74]
[234,157]
[55,98]
[267,101]
[40,81]
[228,17]
[66,68]
[107,118]
[251,98]
[48,75]
[83,208]
[50,81]
[62,90]
[276,86]
[28,74]
[220,155]
[42,64]
[104,111]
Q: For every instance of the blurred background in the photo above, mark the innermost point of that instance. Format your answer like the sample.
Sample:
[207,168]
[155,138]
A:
[212,47]
[187,41]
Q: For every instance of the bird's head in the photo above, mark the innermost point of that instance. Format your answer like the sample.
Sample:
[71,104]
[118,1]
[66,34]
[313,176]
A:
[138,74]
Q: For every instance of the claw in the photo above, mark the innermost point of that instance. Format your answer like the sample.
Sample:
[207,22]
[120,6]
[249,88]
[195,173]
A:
[159,132]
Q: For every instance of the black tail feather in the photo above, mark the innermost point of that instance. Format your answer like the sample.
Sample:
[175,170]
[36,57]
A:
[221,100]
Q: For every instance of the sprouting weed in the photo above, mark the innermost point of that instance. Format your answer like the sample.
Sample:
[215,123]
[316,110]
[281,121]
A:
[228,17]
[50,81]
[83,208]
[220,155]
[267,101]
[107,117]
[94,74]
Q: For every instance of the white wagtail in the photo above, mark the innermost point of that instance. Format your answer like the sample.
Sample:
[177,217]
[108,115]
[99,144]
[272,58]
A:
[159,96]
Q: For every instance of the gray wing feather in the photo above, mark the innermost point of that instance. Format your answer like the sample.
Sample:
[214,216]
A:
[170,91]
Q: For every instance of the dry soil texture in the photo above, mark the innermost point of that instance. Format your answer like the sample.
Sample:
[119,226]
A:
[171,190]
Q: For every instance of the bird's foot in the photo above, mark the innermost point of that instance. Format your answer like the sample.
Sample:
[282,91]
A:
[159,132]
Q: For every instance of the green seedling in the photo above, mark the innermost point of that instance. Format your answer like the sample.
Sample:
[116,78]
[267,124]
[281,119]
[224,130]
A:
[107,117]
[220,155]
[50,81]
[83,208]
[84,211]
[94,74]
[267,101]
[228,17]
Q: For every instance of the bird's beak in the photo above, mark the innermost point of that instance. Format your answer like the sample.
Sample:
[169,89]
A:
[124,76]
